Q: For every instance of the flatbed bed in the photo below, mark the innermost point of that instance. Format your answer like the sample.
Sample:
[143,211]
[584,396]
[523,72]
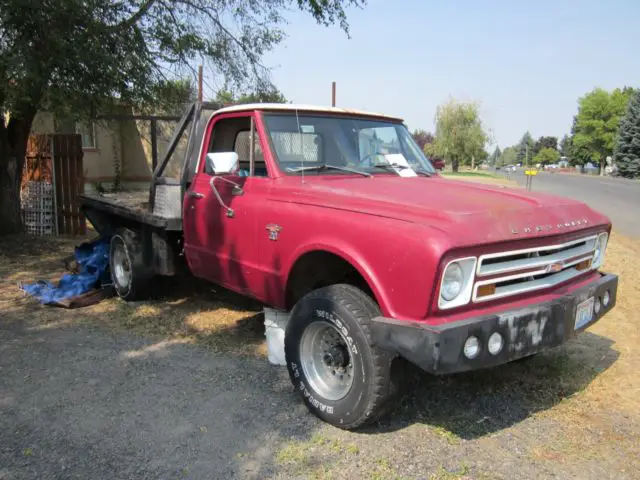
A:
[132,205]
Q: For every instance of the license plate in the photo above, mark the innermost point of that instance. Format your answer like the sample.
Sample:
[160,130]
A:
[584,313]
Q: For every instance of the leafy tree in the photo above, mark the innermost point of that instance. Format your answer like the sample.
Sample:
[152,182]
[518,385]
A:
[80,57]
[262,94]
[509,156]
[545,142]
[422,138]
[597,122]
[270,95]
[483,156]
[578,154]
[171,96]
[460,136]
[495,156]
[546,156]
[627,149]
[525,149]
[565,146]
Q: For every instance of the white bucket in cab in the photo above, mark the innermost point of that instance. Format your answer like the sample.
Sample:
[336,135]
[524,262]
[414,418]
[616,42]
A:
[275,323]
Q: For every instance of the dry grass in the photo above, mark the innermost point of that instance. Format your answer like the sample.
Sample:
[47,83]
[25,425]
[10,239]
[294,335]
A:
[182,309]
[602,422]
[484,179]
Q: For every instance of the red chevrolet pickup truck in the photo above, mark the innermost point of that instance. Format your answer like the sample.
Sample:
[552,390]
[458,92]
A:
[338,218]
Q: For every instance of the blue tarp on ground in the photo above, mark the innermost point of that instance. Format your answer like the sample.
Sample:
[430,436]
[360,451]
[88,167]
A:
[93,271]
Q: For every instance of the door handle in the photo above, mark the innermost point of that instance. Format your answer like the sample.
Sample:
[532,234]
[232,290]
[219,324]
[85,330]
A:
[195,194]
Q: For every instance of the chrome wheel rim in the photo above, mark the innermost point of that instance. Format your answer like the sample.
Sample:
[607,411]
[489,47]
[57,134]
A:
[121,266]
[326,360]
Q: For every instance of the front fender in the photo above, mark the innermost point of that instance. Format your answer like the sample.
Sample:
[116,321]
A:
[397,260]
[348,253]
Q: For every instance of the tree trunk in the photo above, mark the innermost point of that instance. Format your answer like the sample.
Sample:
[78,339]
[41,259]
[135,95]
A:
[454,165]
[13,147]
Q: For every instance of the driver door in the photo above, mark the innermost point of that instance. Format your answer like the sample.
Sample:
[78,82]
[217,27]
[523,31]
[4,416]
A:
[219,241]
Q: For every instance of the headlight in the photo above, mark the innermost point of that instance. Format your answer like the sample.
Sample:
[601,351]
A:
[606,298]
[495,343]
[601,247]
[471,348]
[456,283]
[452,282]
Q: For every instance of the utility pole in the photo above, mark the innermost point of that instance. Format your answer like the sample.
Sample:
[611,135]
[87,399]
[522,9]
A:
[200,83]
[333,94]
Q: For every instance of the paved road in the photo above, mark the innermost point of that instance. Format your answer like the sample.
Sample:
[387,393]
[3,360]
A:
[619,199]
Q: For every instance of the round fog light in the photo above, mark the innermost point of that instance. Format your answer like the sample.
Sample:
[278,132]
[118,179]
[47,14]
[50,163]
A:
[596,306]
[606,298]
[495,343]
[471,348]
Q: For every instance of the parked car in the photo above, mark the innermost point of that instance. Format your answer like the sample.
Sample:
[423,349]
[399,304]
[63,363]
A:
[370,261]
[437,163]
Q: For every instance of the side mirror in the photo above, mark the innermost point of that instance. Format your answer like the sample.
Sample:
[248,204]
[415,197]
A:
[221,163]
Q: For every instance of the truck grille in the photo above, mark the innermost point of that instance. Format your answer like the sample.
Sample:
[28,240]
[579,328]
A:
[513,272]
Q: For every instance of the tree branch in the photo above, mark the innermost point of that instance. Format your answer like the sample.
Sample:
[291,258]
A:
[216,20]
[133,19]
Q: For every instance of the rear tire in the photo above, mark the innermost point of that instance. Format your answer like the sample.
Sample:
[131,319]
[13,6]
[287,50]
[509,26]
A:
[129,274]
[343,378]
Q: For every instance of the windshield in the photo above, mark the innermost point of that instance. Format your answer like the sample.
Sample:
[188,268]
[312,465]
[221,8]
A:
[302,142]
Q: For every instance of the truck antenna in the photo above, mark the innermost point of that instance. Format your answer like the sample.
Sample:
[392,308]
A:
[200,95]
[300,144]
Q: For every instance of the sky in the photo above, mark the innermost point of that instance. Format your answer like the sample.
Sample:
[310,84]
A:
[527,63]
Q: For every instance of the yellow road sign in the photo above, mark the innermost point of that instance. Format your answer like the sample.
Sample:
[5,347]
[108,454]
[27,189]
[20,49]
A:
[531,172]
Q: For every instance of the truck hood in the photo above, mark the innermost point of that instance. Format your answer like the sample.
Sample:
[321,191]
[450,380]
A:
[469,213]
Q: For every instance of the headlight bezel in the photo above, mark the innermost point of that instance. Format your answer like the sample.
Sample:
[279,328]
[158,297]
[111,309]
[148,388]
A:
[601,244]
[454,268]
[468,267]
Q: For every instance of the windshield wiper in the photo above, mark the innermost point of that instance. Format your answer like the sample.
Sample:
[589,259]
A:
[423,172]
[396,166]
[392,167]
[327,166]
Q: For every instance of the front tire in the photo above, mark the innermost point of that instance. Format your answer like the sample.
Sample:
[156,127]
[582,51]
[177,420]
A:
[129,274]
[343,378]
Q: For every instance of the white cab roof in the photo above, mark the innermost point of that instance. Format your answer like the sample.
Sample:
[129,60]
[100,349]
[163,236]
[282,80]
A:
[292,107]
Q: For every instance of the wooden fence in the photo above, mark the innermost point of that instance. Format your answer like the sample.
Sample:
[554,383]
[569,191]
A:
[54,160]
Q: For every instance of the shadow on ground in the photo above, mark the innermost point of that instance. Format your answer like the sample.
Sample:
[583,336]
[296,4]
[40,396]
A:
[474,404]
[180,307]
[80,402]
[191,308]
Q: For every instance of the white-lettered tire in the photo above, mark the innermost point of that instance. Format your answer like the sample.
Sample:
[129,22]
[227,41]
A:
[343,378]
[129,274]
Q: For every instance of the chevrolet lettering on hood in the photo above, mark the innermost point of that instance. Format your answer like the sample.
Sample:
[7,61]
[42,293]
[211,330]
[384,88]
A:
[548,227]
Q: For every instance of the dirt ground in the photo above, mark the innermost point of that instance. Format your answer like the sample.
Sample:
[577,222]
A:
[179,387]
